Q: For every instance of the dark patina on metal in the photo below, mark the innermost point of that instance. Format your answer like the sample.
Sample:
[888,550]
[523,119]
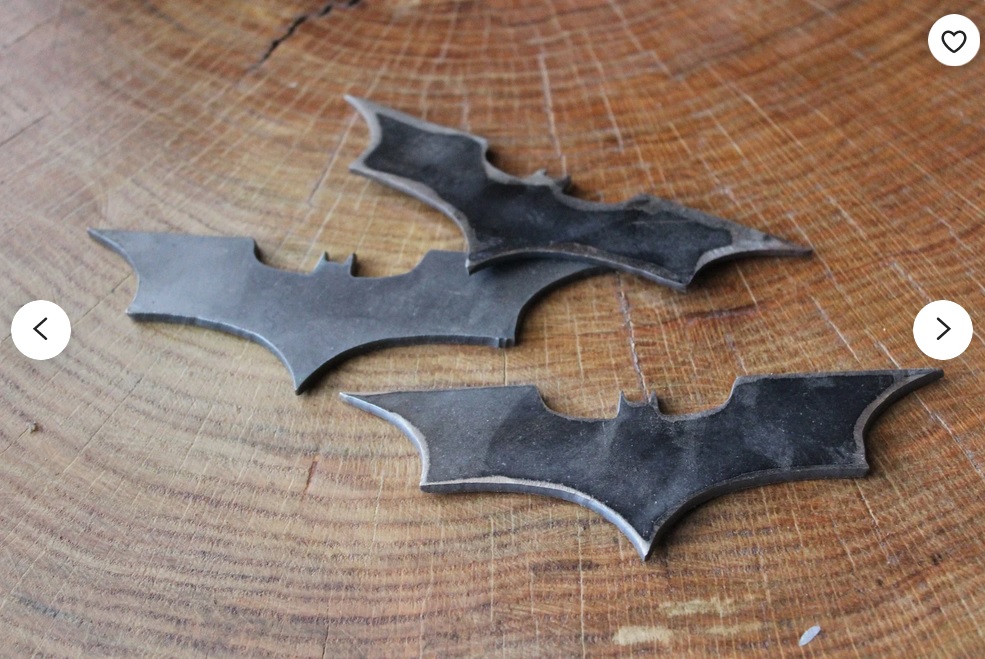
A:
[311,321]
[643,470]
[507,218]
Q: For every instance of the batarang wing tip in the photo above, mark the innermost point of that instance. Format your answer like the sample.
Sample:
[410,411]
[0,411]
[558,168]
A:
[360,401]
[364,106]
[770,245]
[917,377]
[792,249]
[925,372]
[103,236]
[302,382]
[111,239]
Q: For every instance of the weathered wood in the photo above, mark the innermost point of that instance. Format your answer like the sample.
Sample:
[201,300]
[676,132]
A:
[163,490]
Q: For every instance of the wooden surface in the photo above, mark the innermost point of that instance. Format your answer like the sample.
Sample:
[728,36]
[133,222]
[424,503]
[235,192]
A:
[162,489]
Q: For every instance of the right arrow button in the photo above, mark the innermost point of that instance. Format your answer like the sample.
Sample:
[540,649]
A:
[946,344]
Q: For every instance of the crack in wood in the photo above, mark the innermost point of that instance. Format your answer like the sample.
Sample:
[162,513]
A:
[311,474]
[323,11]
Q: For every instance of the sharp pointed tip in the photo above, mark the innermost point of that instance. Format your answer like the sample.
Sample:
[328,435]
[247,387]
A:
[364,106]
[372,404]
[780,247]
[357,400]
[643,546]
[923,376]
[101,235]
[110,238]
[301,382]
[747,240]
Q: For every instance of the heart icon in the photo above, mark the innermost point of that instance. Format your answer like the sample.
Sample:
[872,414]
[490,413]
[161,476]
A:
[956,37]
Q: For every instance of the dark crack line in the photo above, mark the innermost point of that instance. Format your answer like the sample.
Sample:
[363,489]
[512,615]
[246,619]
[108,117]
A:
[156,11]
[293,27]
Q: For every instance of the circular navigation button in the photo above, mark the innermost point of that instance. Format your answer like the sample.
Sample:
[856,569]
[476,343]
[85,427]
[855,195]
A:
[954,40]
[40,329]
[942,330]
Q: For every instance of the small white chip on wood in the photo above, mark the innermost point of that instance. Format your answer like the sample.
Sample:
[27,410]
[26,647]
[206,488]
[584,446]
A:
[809,635]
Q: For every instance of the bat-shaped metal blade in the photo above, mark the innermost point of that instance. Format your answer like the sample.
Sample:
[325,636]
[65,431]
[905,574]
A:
[642,469]
[310,321]
[505,218]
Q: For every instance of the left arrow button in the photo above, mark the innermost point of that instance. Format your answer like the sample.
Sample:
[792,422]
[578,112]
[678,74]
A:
[26,329]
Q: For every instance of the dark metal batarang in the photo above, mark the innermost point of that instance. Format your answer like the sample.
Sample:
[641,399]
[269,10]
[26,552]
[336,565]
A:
[507,218]
[311,321]
[643,470]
